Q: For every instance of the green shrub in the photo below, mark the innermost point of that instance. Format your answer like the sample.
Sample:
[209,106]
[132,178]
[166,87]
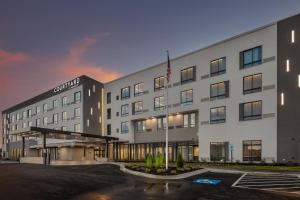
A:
[159,161]
[149,161]
[179,161]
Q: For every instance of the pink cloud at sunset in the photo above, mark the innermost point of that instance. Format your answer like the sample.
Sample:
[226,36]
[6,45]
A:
[8,58]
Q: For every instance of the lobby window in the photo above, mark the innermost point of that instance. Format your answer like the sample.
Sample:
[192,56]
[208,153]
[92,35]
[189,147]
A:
[159,103]
[140,126]
[125,110]
[77,113]
[252,150]
[189,120]
[219,90]
[45,107]
[45,120]
[161,123]
[55,103]
[188,74]
[77,97]
[138,89]
[38,122]
[108,98]
[159,83]
[38,110]
[137,107]
[251,57]
[124,127]
[250,110]
[217,115]
[77,128]
[186,97]
[293,36]
[125,93]
[64,101]
[108,129]
[219,151]
[64,116]
[252,83]
[218,66]
[55,118]
[108,113]
[29,113]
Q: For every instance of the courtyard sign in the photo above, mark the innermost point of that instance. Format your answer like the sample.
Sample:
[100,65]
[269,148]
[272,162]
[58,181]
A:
[67,85]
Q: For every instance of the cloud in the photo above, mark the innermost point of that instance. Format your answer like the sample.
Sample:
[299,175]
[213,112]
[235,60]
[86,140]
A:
[9,58]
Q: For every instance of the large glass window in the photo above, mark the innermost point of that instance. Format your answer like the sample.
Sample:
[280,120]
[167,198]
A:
[161,123]
[251,57]
[108,98]
[55,103]
[45,121]
[219,151]
[125,110]
[251,110]
[64,116]
[159,103]
[29,113]
[140,126]
[77,128]
[138,89]
[219,90]
[125,93]
[77,113]
[64,101]
[137,107]
[189,120]
[77,97]
[188,74]
[55,118]
[45,107]
[252,150]
[38,110]
[217,115]
[252,83]
[218,66]
[159,83]
[186,96]
[124,127]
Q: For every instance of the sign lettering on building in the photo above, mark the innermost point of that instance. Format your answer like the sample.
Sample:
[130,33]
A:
[67,85]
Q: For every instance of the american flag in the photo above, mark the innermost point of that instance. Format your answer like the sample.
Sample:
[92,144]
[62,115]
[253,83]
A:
[168,68]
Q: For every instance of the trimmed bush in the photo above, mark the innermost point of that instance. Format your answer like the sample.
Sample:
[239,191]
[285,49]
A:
[159,161]
[179,161]
[149,161]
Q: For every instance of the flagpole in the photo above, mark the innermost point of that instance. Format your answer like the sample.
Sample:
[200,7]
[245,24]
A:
[167,115]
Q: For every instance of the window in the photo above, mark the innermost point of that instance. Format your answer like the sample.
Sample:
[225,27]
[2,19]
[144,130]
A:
[252,150]
[94,88]
[64,128]
[159,103]
[24,114]
[251,57]
[140,126]
[250,110]
[77,113]
[29,113]
[287,65]
[45,120]
[161,123]
[108,113]
[13,119]
[125,110]
[252,83]
[55,103]
[55,118]
[219,90]
[188,74]
[38,122]
[282,99]
[186,96]
[219,151]
[218,67]
[99,105]
[217,115]
[91,111]
[18,117]
[293,36]
[138,89]
[77,97]
[38,110]
[45,107]
[64,116]
[124,127]
[125,93]
[189,120]
[137,107]
[88,123]
[108,98]
[64,101]
[159,83]
[89,92]
[30,124]
[24,124]
[77,128]
[108,129]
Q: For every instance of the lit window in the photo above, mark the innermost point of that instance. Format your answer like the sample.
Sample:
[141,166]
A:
[94,88]
[64,116]
[186,97]
[298,80]
[88,123]
[282,99]
[293,36]
[137,107]
[159,103]
[138,89]
[76,127]
[45,121]
[287,65]
[98,104]
[89,92]
[91,111]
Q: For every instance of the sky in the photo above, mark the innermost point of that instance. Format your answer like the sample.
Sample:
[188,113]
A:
[46,43]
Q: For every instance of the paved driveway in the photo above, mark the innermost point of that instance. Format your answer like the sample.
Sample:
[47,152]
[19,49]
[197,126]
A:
[24,181]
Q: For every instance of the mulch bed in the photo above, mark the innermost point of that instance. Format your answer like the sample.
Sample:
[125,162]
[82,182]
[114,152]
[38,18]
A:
[161,171]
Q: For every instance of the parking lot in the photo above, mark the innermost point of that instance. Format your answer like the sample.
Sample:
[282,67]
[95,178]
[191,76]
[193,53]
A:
[24,181]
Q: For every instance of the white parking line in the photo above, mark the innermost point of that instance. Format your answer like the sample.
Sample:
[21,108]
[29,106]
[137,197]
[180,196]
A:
[234,184]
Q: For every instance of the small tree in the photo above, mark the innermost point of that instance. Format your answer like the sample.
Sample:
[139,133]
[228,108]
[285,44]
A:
[149,161]
[159,161]
[179,161]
